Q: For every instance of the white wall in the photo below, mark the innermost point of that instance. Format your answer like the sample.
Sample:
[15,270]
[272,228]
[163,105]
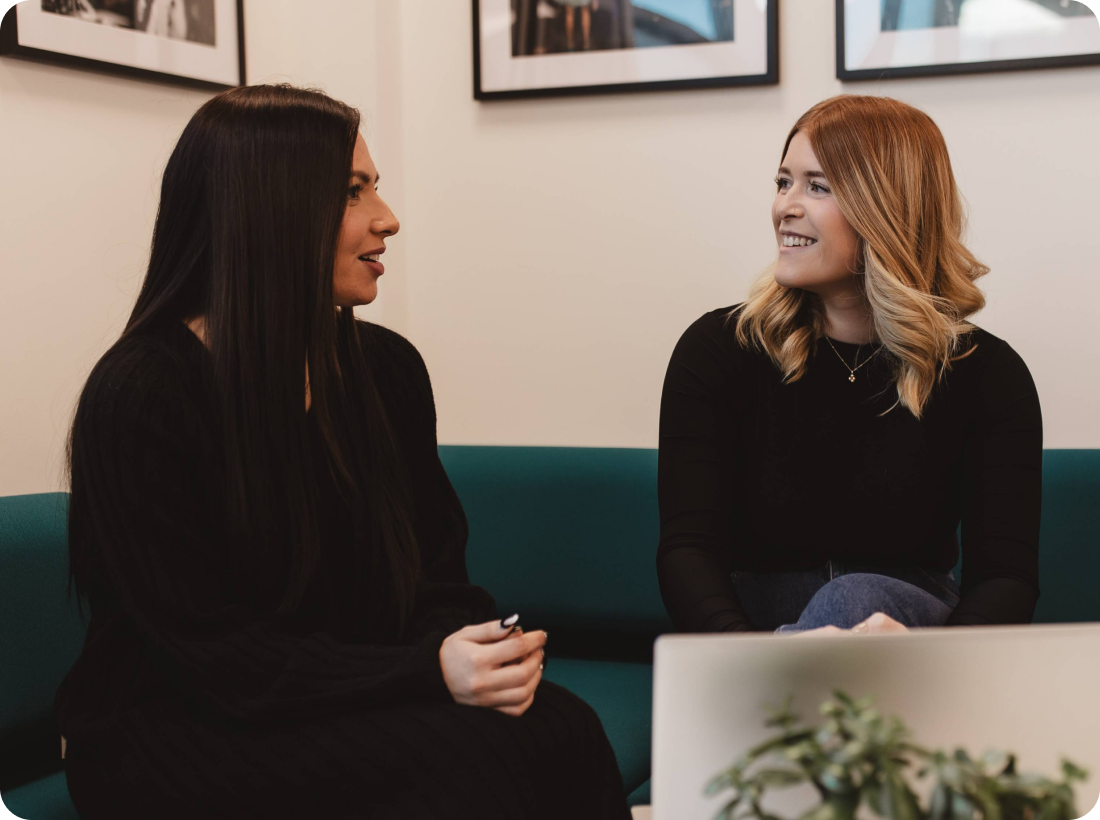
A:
[551,251]
[557,248]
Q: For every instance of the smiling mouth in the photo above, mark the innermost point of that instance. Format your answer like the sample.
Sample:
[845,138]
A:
[796,242]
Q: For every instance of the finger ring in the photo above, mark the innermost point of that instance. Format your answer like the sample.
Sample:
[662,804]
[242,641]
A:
[860,627]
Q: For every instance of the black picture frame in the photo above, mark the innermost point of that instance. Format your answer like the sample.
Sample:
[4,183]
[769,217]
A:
[770,77]
[10,47]
[946,69]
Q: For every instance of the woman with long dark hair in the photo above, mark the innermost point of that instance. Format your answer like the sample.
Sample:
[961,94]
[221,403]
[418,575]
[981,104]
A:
[272,554]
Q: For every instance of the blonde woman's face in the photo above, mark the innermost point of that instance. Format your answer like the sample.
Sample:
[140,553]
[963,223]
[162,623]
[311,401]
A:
[367,223]
[818,249]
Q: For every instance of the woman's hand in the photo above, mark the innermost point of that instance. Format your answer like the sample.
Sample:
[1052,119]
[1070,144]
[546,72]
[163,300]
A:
[488,665]
[878,624]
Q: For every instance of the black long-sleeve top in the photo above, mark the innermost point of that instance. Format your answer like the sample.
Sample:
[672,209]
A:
[169,616]
[758,475]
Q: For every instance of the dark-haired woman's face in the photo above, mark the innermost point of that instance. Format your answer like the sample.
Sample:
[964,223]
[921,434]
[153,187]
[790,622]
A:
[818,248]
[367,223]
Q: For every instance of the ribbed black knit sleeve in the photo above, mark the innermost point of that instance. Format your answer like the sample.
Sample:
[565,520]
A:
[697,461]
[1002,495]
[141,496]
[446,600]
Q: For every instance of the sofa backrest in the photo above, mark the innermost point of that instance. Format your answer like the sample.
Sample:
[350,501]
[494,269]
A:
[1069,538]
[566,536]
[40,633]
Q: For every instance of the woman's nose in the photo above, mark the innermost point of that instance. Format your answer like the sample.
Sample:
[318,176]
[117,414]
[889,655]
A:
[387,225]
[791,207]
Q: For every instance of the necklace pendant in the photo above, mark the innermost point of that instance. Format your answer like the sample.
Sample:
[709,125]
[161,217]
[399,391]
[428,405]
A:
[852,377]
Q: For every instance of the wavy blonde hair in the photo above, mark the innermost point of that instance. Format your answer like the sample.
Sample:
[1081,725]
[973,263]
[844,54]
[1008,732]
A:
[890,173]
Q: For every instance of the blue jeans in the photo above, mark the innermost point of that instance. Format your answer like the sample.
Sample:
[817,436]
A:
[842,595]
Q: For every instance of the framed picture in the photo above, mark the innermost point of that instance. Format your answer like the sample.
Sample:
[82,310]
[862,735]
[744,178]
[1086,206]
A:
[541,48]
[878,39]
[191,42]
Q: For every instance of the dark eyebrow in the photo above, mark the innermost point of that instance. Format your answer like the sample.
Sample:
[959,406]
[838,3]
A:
[785,170]
[366,177]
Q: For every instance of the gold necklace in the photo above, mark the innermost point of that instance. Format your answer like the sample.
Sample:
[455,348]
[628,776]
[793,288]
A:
[851,370]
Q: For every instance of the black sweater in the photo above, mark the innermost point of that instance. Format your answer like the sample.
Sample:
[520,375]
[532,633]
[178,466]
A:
[170,618]
[761,476]
[190,700]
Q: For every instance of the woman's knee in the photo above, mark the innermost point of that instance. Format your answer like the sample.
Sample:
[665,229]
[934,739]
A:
[850,599]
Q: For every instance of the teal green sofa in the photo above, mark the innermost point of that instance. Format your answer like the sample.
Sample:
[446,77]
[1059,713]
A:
[564,536]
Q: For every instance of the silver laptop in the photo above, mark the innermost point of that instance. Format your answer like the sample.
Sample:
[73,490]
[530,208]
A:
[1032,690]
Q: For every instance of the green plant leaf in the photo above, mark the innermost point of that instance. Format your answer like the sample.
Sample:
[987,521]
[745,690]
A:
[1052,810]
[837,780]
[830,810]
[913,748]
[786,739]
[897,800]
[804,752]
[719,783]
[781,716]
[852,751]
[780,777]
[939,804]
[952,774]
[727,811]
[1031,784]
[962,807]
[872,793]
[985,795]
[996,761]
[1071,771]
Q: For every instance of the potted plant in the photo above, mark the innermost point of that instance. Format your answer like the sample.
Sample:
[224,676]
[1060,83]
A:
[857,760]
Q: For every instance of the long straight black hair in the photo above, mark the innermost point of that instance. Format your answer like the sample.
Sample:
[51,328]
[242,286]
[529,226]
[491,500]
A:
[251,204]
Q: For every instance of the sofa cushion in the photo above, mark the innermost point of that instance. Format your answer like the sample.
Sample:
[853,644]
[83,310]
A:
[622,695]
[44,799]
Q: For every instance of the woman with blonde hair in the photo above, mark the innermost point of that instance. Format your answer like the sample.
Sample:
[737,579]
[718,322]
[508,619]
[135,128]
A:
[821,442]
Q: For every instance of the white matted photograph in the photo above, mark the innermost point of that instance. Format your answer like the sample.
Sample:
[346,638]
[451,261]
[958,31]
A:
[191,42]
[535,48]
[881,39]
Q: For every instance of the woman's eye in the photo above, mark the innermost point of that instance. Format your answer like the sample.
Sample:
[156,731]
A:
[354,190]
[815,187]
